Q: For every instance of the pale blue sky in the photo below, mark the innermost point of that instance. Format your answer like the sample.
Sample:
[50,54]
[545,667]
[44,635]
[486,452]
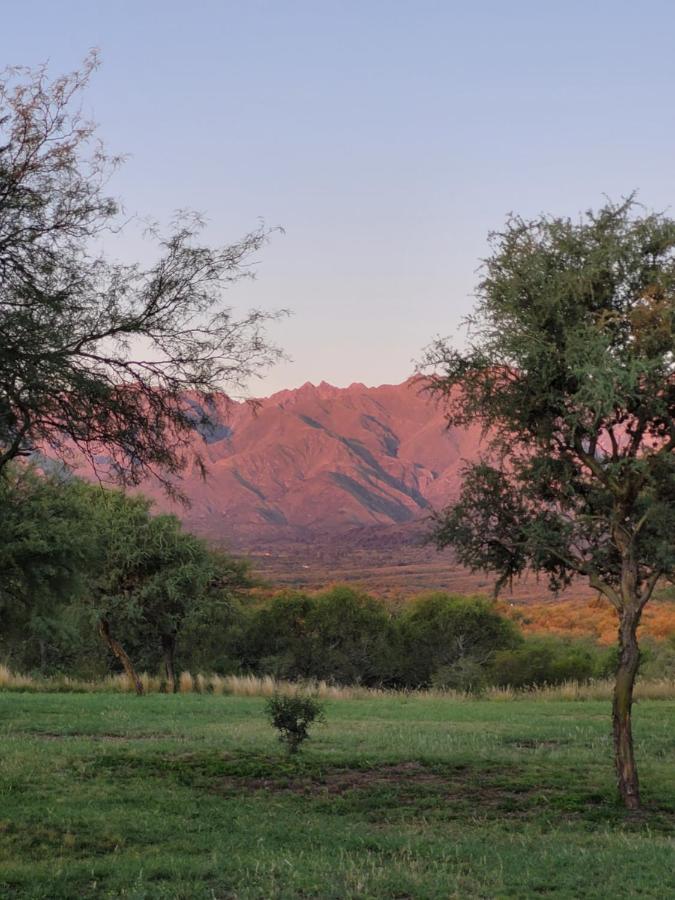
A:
[386,137]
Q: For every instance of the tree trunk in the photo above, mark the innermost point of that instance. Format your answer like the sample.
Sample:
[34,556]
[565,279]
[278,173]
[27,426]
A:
[629,657]
[168,651]
[120,653]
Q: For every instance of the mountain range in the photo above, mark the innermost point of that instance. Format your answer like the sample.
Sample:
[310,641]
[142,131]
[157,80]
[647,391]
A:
[321,484]
[322,460]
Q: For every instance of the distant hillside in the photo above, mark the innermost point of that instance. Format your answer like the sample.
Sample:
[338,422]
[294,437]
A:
[324,460]
[324,484]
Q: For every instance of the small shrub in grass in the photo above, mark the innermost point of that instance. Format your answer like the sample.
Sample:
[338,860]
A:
[292,716]
[466,675]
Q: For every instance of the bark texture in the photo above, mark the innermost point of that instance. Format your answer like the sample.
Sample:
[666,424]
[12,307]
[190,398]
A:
[120,653]
[629,658]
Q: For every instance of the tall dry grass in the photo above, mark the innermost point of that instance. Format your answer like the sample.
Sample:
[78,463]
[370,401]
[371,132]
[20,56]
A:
[266,686]
[12,680]
[186,683]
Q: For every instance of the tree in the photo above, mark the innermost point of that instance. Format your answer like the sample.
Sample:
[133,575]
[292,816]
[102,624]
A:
[152,581]
[340,635]
[73,555]
[570,369]
[277,639]
[448,641]
[118,521]
[47,551]
[97,358]
[353,637]
[172,580]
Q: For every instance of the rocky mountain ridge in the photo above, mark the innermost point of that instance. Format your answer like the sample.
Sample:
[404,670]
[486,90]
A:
[323,460]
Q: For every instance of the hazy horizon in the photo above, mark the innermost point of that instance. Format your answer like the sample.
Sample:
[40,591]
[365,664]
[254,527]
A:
[386,138]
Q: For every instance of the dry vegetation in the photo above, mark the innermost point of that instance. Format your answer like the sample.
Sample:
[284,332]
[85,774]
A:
[399,569]
[589,618]
[266,686]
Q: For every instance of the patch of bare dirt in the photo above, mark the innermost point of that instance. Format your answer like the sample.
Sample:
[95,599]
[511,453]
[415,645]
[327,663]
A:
[408,776]
[534,744]
[98,736]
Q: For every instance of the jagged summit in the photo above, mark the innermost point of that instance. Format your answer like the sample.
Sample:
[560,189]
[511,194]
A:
[322,459]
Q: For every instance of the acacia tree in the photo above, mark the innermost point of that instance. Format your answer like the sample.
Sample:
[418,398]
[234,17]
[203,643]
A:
[570,369]
[148,581]
[97,357]
[166,579]
[117,522]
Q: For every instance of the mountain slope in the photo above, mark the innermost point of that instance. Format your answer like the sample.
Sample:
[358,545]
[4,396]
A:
[321,459]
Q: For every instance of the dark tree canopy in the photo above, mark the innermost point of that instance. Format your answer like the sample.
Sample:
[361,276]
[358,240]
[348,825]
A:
[47,549]
[570,368]
[154,579]
[97,356]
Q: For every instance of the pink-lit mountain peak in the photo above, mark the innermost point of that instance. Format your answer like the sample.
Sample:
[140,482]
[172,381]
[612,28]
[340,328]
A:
[323,459]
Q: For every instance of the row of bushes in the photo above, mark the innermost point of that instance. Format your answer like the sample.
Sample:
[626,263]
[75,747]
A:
[344,636]
[438,640]
[78,564]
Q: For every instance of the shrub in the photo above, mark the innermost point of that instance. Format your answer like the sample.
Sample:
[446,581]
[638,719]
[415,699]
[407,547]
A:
[657,659]
[548,660]
[446,639]
[353,638]
[467,675]
[292,717]
[275,640]
[341,635]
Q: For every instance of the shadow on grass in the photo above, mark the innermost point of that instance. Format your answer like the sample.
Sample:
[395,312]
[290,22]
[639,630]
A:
[543,790]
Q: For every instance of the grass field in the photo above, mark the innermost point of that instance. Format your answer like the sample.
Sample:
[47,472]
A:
[110,795]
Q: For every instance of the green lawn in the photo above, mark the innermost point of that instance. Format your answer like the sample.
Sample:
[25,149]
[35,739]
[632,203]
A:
[191,796]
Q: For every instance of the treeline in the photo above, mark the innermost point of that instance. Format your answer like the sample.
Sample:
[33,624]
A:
[436,640]
[84,569]
[91,582]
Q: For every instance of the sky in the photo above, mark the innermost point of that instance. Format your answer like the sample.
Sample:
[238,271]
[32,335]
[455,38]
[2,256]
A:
[386,137]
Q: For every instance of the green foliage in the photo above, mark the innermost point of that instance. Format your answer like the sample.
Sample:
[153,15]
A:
[292,716]
[47,553]
[275,640]
[467,675]
[211,630]
[550,660]
[354,636]
[157,580]
[571,370]
[448,641]
[658,658]
[340,635]
[45,547]
[73,553]
[345,636]
[69,378]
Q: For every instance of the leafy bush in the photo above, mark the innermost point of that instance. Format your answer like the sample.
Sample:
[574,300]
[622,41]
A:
[276,641]
[468,675]
[353,637]
[292,716]
[657,658]
[446,639]
[341,635]
[549,660]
